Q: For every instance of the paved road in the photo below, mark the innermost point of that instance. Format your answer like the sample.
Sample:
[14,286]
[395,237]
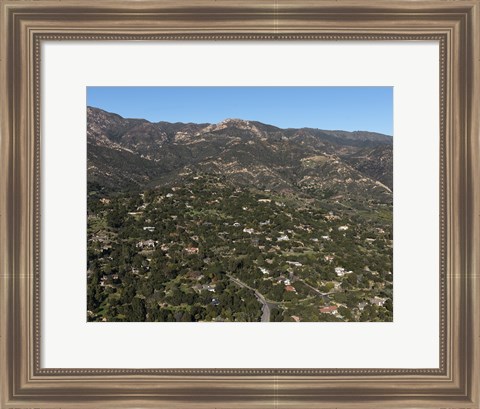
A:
[316,289]
[260,297]
[266,306]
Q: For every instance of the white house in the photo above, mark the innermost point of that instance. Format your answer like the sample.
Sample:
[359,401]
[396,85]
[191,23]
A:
[378,301]
[362,305]
[340,271]
[146,243]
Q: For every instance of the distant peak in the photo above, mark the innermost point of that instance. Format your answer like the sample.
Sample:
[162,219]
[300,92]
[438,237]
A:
[237,123]
[233,121]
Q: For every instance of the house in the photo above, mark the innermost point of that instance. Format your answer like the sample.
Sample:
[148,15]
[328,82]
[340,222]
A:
[332,309]
[264,270]
[149,228]
[104,200]
[197,287]
[191,250]
[362,305]
[378,301]
[339,271]
[331,216]
[328,258]
[283,237]
[342,228]
[295,318]
[169,195]
[98,238]
[286,282]
[290,288]
[146,244]
[295,263]
[236,224]
[264,200]
[249,231]
[326,237]
[209,287]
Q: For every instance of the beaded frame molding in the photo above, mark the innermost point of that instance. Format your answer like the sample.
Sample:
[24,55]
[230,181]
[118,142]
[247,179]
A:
[25,24]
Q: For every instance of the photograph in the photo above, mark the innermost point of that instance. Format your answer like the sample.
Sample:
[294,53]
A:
[203,204]
[240,204]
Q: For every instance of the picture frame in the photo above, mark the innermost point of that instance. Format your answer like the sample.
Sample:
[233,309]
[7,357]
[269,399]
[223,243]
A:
[453,24]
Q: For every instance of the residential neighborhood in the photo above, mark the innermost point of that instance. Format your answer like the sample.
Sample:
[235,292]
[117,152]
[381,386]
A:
[206,250]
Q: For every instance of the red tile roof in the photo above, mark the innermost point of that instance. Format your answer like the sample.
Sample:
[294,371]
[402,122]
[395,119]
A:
[330,308]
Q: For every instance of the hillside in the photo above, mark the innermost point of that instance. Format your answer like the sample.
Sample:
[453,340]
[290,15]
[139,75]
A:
[129,153]
[237,221]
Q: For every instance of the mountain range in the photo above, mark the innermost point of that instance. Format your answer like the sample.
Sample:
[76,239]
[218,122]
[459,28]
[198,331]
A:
[135,153]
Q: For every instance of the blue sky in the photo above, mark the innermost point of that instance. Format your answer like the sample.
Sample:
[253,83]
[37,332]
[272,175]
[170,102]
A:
[332,108]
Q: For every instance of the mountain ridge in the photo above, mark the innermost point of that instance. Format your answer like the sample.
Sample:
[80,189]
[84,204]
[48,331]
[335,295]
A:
[131,152]
[233,119]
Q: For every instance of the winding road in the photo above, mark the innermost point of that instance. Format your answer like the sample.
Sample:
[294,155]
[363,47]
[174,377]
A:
[266,306]
[324,295]
[260,297]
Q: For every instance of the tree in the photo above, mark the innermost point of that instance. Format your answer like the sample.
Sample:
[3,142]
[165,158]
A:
[116,217]
[276,315]
[139,312]
[352,279]
[388,305]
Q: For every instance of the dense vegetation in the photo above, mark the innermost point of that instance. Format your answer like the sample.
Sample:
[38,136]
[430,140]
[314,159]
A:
[206,249]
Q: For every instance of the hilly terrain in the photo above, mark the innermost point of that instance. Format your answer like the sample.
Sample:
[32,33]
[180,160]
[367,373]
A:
[237,221]
[128,153]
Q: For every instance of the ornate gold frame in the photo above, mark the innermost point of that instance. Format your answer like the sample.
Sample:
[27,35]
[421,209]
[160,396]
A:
[25,24]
